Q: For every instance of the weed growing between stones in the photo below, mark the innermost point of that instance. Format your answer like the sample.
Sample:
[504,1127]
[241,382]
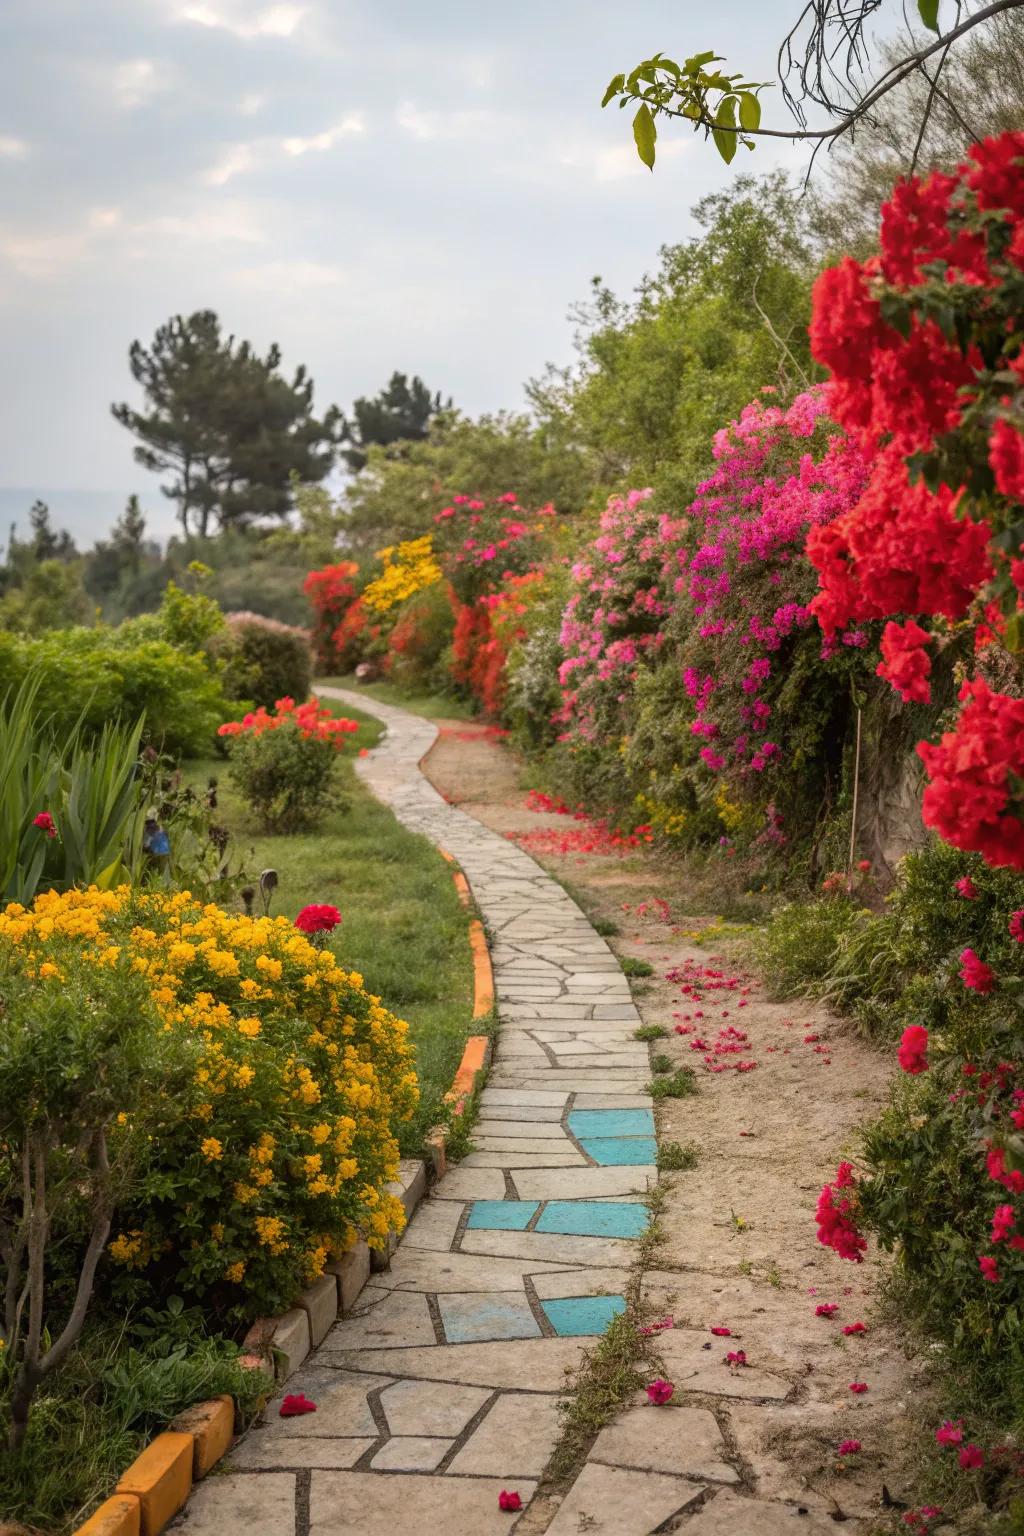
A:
[681,1085]
[675,1158]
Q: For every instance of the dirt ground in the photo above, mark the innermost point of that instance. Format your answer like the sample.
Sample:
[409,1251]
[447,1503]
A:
[739,1249]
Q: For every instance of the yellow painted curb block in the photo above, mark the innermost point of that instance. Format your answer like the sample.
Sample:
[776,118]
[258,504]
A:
[118,1516]
[211,1425]
[161,1479]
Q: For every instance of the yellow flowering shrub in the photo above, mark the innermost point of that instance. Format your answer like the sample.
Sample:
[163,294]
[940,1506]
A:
[408,569]
[280,1151]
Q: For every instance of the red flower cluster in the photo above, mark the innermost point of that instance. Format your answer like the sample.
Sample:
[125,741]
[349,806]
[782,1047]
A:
[900,549]
[972,801]
[318,919]
[905,661]
[974,973]
[912,1055]
[835,1217]
[310,720]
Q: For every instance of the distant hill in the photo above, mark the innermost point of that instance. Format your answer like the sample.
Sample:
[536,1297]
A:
[87,515]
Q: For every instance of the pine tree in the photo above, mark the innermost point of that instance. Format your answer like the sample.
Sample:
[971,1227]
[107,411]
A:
[225,424]
[401,412]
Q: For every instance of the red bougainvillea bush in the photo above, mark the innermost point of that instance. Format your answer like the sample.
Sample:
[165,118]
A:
[331,592]
[925,347]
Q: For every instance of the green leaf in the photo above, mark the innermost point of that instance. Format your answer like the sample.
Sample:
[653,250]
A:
[614,87]
[645,133]
[750,111]
[929,12]
[726,115]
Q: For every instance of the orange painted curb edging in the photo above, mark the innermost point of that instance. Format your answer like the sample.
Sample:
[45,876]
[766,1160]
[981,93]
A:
[483,976]
[474,1061]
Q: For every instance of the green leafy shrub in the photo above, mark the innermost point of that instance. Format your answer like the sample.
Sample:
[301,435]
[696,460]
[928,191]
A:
[99,675]
[264,660]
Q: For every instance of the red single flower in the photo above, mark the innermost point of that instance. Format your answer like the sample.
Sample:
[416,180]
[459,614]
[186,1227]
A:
[966,888]
[318,919]
[950,1432]
[722,1333]
[736,1357]
[660,1391]
[971,1456]
[509,1501]
[974,973]
[855,1328]
[913,1046]
[989,1268]
[858,1387]
[826,1309]
[45,822]
[849,1447]
[294,1404]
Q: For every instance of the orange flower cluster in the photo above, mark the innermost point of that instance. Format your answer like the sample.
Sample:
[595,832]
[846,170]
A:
[312,721]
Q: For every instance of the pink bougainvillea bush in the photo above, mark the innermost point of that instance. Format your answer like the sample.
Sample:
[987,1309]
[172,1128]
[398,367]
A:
[689,643]
[770,704]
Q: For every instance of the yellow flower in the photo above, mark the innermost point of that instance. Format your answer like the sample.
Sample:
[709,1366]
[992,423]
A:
[212,1149]
[269,966]
[235,1272]
[319,1134]
[217,1231]
[250,1027]
[48,969]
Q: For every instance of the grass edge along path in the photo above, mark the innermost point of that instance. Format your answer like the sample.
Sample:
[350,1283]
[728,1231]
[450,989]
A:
[403,926]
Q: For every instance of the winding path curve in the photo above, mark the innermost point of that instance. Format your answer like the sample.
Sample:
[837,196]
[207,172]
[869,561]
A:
[442,1388]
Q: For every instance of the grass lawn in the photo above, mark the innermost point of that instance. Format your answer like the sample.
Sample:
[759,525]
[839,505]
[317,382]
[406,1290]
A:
[432,706]
[403,926]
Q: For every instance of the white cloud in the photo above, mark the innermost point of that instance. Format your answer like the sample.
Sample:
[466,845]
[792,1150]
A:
[235,160]
[287,278]
[253,154]
[135,83]
[240,20]
[251,103]
[12,148]
[217,225]
[616,162]
[50,255]
[426,123]
[350,126]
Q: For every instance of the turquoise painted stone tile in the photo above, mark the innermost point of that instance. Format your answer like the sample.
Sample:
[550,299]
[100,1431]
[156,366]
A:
[620,1151]
[474,1318]
[502,1215]
[593,1218]
[611,1122]
[575,1315]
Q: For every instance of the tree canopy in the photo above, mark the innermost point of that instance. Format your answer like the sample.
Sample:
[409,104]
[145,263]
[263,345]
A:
[401,412]
[225,423]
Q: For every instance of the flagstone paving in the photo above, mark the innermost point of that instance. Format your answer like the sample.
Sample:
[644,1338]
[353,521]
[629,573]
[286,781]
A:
[442,1386]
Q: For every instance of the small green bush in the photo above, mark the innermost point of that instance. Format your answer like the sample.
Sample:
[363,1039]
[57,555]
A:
[264,660]
[681,1085]
[286,777]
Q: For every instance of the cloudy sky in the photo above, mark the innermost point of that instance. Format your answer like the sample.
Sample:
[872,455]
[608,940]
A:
[422,186]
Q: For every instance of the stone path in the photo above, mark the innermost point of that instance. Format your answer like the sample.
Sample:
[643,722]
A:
[442,1388]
